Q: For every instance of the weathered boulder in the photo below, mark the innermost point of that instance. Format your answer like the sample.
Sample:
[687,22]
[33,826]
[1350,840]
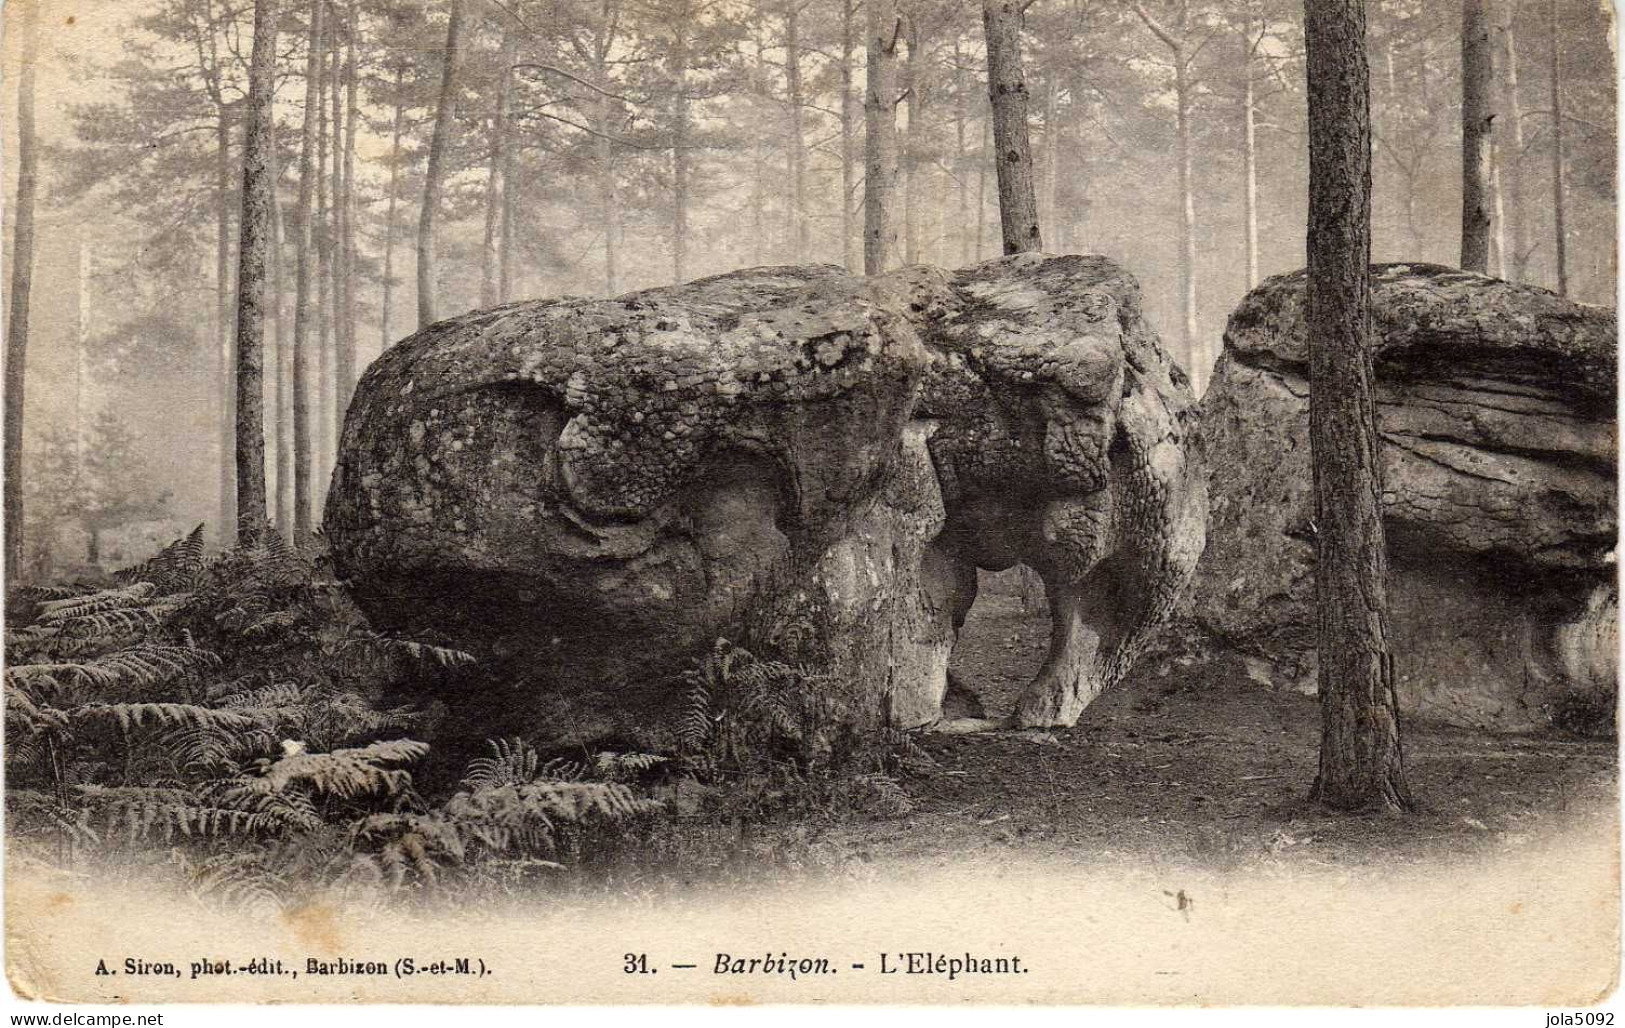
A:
[806,463]
[1496,408]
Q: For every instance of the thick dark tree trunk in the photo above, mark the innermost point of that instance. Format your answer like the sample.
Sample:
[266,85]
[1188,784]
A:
[496,185]
[22,279]
[1361,762]
[1559,203]
[879,136]
[1007,92]
[434,175]
[309,174]
[252,251]
[1477,116]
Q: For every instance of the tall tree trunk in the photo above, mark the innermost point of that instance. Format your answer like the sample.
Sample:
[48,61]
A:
[1510,153]
[434,175]
[962,181]
[1477,114]
[908,159]
[1199,364]
[1361,762]
[679,149]
[1007,92]
[1195,361]
[610,198]
[879,136]
[309,175]
[505,236]
[22,282]
[986,159]
[325,131]
[760,94]
[252,251]
[344,379]
[384,335]
[495,184]
[1559,203]
[1498,235]
[799,239]
[609,195]
[1249,149]
[1047,212]
[283,414]
[223,334]
[849,235]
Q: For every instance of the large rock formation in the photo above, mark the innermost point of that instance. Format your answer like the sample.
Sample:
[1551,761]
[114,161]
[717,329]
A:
[806,463]
[1496,407]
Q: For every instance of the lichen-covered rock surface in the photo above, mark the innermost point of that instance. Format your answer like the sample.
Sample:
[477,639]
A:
[591,492]
[1496,404]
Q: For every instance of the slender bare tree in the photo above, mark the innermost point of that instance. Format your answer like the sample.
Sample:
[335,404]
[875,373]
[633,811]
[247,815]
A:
[282,416]
[304,271]
[435,174]
[22,280]
[1559,193]
[1249,114]
[1477,116]
[1509,149]
[496,185]
[386,308]
[345,356]
[798,229]
[1174,38]
[849,235]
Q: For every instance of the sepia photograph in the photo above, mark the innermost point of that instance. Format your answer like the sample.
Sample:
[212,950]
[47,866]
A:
[1031,503]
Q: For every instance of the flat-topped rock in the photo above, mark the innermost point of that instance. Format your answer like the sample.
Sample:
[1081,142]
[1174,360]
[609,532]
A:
[1496,408]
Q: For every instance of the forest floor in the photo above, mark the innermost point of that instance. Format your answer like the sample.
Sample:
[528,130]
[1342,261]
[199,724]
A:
[1214,770]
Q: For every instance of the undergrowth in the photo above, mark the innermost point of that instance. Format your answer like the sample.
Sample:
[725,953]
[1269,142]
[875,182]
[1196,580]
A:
[226,716]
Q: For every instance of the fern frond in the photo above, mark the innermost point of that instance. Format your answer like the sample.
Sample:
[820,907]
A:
[512,762]
[178,567]
[34,812]
[143,666]
[131,715]
[347,772]
[420,652]
[615,767]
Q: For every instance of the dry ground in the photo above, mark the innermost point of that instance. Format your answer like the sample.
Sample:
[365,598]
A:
[1213,769]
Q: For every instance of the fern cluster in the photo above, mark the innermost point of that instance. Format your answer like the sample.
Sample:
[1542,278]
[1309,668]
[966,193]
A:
[226,714]
[773,732]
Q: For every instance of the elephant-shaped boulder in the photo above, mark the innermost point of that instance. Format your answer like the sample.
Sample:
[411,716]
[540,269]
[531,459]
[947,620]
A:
[813,465]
